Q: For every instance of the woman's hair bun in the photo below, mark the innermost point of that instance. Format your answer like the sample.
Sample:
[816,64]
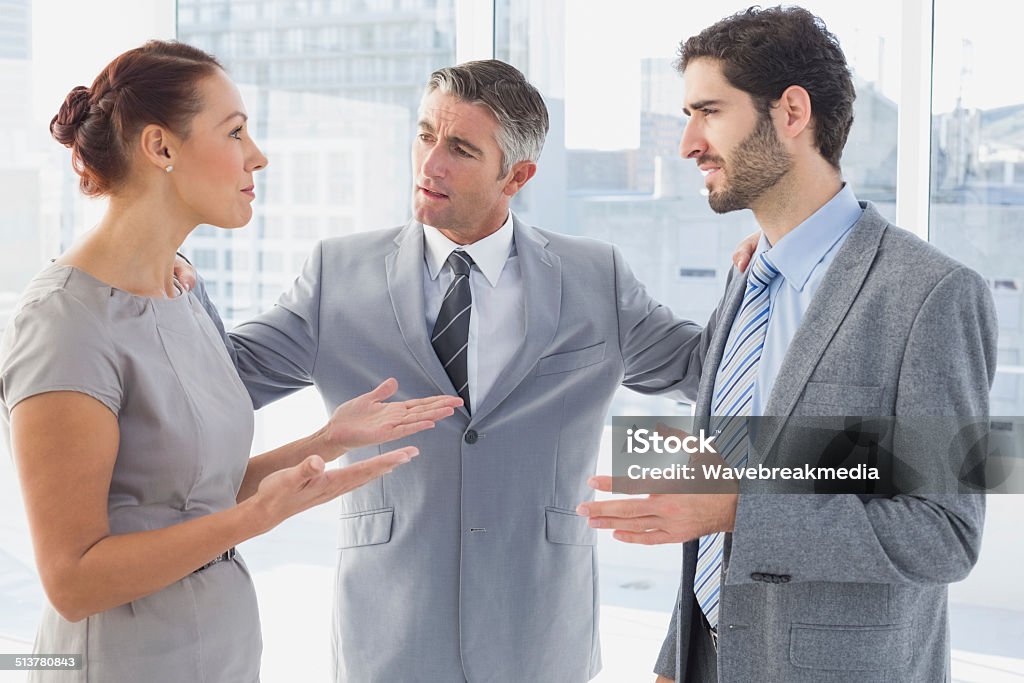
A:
[157,83]
[72,114]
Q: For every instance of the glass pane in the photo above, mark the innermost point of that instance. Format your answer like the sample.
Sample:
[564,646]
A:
[332,89]
[977,193]
[976,215]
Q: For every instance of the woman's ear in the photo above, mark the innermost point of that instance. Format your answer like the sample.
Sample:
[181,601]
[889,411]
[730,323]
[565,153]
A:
[158,146]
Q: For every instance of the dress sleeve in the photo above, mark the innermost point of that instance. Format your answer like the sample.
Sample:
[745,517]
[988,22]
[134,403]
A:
[56,343]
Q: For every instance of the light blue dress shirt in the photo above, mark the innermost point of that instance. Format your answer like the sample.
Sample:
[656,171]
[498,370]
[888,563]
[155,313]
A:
[802,256]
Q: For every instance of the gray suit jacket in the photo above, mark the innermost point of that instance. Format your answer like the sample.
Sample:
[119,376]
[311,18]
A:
[470,562]
[843,587]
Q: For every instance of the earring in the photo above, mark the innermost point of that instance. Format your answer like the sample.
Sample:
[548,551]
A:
[168,168]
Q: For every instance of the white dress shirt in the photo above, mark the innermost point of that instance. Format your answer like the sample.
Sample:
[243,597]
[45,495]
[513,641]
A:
[497,321]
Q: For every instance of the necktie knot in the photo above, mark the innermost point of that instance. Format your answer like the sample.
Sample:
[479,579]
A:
[762,272]
[460,262]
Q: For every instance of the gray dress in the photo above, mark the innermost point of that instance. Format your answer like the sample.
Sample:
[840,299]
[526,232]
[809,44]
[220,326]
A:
[185,423]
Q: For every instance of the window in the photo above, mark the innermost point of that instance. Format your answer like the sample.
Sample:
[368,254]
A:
[977,191]
[305,178]
[271,262]
[204,259]
[975,214]
[306,228]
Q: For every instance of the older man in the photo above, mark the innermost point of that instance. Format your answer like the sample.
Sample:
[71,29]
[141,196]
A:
[490,575]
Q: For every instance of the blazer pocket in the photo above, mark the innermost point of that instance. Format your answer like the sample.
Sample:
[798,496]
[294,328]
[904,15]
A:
[571,360]
[842,395]
[851,648]
[567,528]
[371,527]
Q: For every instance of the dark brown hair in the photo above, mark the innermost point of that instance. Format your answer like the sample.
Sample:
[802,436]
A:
[764,51]
[156,83]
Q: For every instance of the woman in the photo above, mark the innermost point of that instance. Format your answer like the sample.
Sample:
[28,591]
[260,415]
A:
[128,425]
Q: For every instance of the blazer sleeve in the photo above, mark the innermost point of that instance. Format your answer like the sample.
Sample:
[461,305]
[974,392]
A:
[666,664]
[948,367]
[275,352]
[661,353]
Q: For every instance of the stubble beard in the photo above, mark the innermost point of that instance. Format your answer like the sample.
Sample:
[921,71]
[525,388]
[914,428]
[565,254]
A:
[758,163]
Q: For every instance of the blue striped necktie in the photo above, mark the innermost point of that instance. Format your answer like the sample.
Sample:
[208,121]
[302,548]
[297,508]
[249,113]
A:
[730,407]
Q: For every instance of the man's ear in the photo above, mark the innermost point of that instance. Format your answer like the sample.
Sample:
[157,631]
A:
[158,146]
[519,176]
[792,112]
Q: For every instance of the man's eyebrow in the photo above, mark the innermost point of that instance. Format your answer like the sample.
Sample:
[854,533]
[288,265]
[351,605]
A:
[700,104]
[462,142]
[233,115]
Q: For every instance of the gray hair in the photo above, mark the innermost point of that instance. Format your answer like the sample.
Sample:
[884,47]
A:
[517,105]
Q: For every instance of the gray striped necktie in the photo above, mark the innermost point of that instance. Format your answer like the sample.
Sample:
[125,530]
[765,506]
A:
[730,408]
[450,337]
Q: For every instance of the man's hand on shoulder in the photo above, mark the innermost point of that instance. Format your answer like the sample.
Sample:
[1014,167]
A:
[745,250]
[184,273]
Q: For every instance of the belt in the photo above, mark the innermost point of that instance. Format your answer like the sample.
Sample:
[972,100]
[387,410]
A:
[228,554]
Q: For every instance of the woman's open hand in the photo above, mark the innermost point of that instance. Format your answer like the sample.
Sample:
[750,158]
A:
[370,419]
[289,491]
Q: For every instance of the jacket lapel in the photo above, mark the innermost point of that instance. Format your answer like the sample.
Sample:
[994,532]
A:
[828,309]
[405,287]
[728,308]
[542,295]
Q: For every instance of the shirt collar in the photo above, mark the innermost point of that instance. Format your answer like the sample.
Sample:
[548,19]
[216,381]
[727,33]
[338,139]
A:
[803,248]
[489,254]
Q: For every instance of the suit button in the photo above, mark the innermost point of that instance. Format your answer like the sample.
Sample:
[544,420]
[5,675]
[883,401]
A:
[471,436]
[757,576]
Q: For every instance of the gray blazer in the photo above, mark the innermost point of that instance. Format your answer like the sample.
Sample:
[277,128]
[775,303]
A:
[843,587]
[470,562]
